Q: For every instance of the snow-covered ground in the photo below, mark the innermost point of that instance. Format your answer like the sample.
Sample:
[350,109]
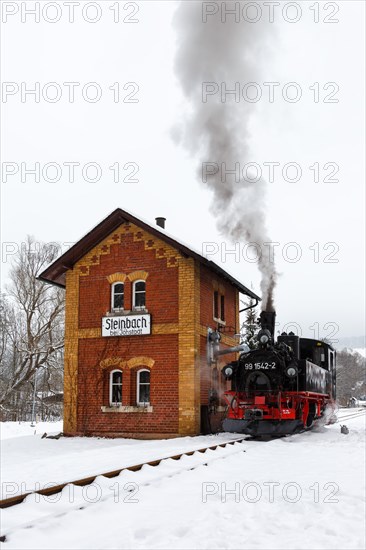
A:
[30,462]
[17,429]
[305,491]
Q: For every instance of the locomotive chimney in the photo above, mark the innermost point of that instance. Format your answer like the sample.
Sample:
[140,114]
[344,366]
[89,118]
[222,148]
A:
[160,222]
[267,321]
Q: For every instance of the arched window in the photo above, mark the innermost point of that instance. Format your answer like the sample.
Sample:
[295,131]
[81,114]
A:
[118,292]
[143,387]
[139,295]
[115,387]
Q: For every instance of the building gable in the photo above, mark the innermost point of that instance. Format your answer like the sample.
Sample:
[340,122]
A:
[56,272]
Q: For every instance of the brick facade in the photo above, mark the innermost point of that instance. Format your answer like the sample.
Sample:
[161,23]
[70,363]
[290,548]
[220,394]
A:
[179,298]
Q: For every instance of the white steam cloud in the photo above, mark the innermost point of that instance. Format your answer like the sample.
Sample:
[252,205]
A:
[225,52]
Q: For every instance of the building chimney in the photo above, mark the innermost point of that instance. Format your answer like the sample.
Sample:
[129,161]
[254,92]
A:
[160,222]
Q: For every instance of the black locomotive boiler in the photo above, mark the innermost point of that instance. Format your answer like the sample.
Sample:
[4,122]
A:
[282,386]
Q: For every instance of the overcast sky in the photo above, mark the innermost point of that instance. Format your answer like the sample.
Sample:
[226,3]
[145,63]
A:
[128,52]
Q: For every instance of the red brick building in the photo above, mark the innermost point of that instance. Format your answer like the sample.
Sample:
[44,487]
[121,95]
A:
[138,307]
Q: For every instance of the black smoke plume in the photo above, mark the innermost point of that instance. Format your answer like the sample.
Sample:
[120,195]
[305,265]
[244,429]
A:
[225,52]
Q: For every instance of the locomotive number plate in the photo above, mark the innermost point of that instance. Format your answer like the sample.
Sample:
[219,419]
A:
[260,366]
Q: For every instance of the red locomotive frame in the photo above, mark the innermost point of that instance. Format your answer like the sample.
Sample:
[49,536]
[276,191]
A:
[304,406]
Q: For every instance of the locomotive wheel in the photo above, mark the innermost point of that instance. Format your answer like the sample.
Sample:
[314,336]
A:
[233,403]
[311,415]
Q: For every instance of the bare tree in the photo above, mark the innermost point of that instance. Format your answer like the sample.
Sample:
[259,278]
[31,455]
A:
[351,375]
[31,322]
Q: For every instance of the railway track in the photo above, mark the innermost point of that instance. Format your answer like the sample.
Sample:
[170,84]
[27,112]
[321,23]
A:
[57,488]
[191,460]
[350,415]
[17,499]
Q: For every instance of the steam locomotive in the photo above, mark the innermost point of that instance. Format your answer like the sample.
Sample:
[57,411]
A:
[280,387]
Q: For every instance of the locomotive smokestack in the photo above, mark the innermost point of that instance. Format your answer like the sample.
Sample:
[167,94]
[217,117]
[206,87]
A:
[268,321]
[160,222]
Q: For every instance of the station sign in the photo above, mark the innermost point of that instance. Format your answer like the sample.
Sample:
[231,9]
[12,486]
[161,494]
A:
[126,325]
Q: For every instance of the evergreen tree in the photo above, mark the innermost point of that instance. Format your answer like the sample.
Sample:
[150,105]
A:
[250,325]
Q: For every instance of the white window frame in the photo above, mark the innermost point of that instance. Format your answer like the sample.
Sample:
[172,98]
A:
[219,311]
[114,403]
[134,306]
[142,403]
[112,296]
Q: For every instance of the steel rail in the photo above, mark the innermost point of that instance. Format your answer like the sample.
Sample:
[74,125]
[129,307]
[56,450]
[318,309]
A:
[17,499]
[355,414]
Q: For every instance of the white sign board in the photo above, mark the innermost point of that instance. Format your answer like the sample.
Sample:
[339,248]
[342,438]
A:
[126,325]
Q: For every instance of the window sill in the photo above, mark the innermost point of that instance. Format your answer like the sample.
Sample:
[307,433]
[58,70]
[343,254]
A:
[117,312]
[127,409]
[125,312]
[217,320]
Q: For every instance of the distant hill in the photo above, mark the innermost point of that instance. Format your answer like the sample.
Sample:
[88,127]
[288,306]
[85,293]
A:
[351,342]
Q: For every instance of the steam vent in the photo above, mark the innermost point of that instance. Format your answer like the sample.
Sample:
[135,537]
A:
[138,308]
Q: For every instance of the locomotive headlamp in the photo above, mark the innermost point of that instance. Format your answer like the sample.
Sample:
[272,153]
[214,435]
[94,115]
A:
[264,336]
[291,372]
[228,371]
